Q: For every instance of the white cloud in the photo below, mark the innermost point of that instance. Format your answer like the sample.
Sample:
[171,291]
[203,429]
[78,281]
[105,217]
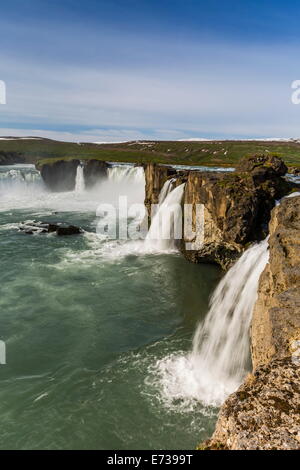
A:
[224,90]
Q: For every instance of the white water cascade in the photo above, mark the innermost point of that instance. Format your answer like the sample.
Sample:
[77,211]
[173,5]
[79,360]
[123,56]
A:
[19,180]
[166,225]
[79,181]
[126,173]
[219,359]
[166,189]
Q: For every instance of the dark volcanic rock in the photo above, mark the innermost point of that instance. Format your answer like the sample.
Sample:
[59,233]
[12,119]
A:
[60,175]
[11,158]
[294,171]
[94,171]
[237,205]
[237,209]
[269,163]
[32,227]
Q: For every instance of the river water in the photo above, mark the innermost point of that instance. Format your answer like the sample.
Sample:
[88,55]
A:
[87,323]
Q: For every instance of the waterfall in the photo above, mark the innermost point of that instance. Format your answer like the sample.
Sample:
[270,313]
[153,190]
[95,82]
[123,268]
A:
[166,225]
[219,358]
[16,178]
[221,343]
[126,173]
[166,189]
[79,181]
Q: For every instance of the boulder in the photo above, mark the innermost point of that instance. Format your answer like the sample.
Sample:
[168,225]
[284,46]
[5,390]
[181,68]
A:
[94,171]
[61,229]
[271,164]
[60,175]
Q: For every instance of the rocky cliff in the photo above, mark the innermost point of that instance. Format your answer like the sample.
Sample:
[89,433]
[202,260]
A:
[11,158]
[236,206]
[59,175]
[155,178]
[276,317]
[94,171]
[265,411]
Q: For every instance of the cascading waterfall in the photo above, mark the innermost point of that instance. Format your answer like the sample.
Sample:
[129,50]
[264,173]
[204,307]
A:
[16,178]
[221,343]
[219,358]
[166,189]
[79,181]
[126,173]
[166,225]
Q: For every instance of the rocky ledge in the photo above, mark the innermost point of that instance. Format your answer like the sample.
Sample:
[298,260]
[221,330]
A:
[236,205]
[59,228]
[59,175]
[265,411]
[264,414]
[11,158]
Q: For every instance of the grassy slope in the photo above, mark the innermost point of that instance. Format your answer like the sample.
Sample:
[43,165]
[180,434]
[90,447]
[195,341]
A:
[216,153]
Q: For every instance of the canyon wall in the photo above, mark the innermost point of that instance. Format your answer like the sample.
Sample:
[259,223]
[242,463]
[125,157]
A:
[155,178]
[59,175]
[276,317]
[236,206]
[264,413]
[94,171]
[11,158]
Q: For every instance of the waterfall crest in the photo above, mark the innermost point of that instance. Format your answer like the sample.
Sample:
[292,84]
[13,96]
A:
[126,173]
[166,225]
[18,178]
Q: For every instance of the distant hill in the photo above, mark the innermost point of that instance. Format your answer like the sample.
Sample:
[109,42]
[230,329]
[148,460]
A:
[208,153]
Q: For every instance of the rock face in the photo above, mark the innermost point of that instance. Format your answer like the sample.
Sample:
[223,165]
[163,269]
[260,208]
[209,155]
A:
[294,171]
[236,210]
[264,414]
[270,163]
[94,171]
[60,175]
[155,177]
[10,158]
[276,316]
[61,229]
[265,411]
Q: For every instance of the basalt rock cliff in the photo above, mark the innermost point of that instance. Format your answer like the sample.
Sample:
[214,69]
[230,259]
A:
[11,158]
[94,171]
[59,175]
[264,413]
[236,206]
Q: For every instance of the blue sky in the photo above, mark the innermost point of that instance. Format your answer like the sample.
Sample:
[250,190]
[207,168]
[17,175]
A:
[111,70]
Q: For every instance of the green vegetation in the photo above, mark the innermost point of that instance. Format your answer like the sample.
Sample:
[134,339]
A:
[209,153]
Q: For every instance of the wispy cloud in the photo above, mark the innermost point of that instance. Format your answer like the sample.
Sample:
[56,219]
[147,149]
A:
[153,87]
